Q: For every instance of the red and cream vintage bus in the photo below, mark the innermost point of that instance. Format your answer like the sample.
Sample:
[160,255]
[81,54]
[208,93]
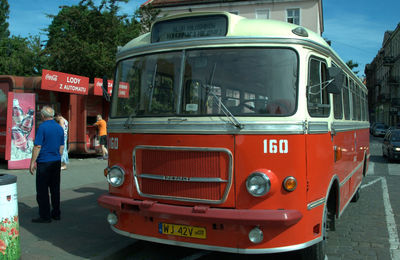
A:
[238,135]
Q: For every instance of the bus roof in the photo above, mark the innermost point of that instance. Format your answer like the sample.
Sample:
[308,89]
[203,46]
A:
[239,26]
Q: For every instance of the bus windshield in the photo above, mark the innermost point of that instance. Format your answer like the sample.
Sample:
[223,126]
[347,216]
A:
[248,81]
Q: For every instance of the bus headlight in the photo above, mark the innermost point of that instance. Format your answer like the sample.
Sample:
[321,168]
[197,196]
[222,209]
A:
[258,184]
[116,176]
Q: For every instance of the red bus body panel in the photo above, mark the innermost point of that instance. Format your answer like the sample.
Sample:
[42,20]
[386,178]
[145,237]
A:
[285,217]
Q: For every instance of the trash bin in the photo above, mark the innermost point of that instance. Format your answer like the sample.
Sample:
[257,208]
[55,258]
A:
[9,222]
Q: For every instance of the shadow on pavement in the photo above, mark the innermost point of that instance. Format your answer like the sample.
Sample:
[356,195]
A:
[82,232]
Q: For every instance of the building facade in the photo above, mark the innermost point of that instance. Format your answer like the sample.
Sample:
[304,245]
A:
[307,13]
[383,81]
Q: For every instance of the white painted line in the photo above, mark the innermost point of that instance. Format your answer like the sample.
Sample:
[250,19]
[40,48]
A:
[371,168]
[391,223]
[394,169]
[371,183]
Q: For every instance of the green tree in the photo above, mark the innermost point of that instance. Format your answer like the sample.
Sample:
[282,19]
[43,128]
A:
[146,15]
[352,65]
[19,56]
[4,12]
[83,39]
[39,57]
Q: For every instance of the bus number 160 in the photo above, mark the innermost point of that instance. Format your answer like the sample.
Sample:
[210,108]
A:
[276,146]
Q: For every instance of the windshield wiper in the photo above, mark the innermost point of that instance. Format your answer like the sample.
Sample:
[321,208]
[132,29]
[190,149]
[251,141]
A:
[149,94]
[232,119]
[224,109]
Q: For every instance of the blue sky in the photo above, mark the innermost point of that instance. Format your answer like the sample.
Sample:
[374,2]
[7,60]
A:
[355,27]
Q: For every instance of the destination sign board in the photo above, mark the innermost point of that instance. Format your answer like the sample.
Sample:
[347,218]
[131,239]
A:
[189,27]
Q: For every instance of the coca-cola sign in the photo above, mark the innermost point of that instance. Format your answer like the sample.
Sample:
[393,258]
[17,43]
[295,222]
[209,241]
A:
[63,82]
[98,83]
[51,77]
[123,88]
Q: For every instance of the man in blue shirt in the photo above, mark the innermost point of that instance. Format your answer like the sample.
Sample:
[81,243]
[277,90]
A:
[46,153]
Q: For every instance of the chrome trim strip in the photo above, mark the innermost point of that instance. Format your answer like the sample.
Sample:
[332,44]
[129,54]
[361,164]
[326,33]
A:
[349,126]
[206,127]
[351,174]
[219,248]
[316,203]
[184,148]
[318,127]
[178,178]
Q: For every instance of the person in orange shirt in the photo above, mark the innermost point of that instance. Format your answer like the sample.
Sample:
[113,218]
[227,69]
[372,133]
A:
[102,126]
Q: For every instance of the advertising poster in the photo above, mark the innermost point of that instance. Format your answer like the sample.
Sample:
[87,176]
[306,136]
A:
[98,83]
[63,82]
[20,129]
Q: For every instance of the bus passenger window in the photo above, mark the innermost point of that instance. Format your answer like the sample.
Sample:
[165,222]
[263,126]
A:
[346,100]
[338,104]
[317,94]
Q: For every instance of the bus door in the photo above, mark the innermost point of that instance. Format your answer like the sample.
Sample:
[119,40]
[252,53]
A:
[319,143]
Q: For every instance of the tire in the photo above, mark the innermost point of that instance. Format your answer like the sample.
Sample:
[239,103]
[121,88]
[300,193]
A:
[314,252]
[356,196]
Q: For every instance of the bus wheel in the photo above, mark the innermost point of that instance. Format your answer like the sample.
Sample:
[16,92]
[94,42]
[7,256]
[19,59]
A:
[356,196]
[317,251]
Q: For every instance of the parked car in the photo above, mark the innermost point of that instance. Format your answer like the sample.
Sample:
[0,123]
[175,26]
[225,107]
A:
[391,145]
[371,128]
[379,129]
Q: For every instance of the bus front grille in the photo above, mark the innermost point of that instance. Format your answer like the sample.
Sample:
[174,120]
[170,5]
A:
[183,173]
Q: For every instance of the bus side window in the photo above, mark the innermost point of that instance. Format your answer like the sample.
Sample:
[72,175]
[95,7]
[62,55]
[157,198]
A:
[317,94]
[346,99]
[338,104]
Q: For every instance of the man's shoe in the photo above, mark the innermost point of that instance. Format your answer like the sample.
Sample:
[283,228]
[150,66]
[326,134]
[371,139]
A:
[41,220]
[56,217]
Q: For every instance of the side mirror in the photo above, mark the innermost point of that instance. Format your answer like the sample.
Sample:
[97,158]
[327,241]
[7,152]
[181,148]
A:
[337,76]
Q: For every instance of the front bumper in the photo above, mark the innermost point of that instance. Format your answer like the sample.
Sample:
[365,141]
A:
[247,217]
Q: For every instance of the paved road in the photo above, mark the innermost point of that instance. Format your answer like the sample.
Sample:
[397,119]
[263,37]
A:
[82,232]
